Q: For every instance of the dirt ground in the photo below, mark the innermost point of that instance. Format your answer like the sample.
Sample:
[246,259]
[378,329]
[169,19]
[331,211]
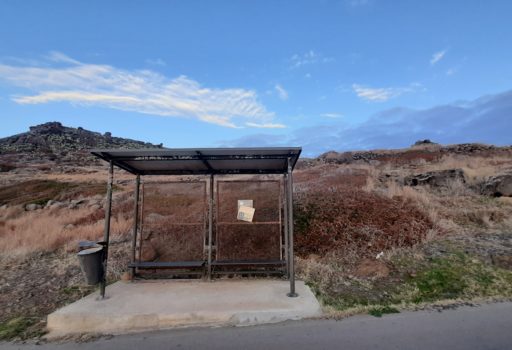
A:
[37,285]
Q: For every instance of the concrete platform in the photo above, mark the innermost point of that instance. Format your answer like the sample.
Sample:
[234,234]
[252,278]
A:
[150,305]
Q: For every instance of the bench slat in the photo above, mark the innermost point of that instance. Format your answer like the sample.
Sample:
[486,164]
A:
[164,265]
[247,262]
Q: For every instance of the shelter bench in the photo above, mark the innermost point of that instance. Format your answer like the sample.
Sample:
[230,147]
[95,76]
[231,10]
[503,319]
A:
[248,262]
[166,265]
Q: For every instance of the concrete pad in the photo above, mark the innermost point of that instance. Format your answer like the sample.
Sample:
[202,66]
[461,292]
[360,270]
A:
[150,305]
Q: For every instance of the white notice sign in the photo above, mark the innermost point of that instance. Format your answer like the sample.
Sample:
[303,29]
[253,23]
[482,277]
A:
[245,213]
[245,203]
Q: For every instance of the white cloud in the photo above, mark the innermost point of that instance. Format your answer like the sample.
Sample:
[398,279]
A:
[266,126]
[56,56]
[381,94]
[332,115]
[310,57]
[141,91]
[281,92]
[437,56]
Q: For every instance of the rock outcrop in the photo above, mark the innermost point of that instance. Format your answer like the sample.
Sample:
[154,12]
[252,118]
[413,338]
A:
[54,142]
[439,178]
[497,186]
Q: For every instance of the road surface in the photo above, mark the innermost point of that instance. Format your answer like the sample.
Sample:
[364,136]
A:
[483,327]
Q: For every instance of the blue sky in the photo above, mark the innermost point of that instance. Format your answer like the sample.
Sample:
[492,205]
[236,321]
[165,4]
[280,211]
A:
[347,74]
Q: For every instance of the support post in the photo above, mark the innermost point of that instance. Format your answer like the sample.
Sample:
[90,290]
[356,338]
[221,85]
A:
[290,231]
[135,221]
[285,210]
[141,221]
[210,228]
[106,234]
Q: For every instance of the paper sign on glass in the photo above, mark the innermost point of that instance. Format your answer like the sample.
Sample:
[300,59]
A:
[245,213]
[245,203]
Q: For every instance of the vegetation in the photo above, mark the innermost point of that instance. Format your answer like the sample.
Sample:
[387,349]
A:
[378,311]
[366,241]
[19,327]
[41,191]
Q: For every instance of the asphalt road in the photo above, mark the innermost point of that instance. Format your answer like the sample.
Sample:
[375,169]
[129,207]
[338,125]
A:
[484,327]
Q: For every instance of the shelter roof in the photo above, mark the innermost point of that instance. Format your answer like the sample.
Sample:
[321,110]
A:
[202,161]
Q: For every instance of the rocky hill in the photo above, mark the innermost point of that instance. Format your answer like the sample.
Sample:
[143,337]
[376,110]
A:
[57,143]
[424,150]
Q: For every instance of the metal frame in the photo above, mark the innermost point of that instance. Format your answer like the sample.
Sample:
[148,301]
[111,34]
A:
[250,263]
[137,263]
[288,155]
[106,234]
[291,260]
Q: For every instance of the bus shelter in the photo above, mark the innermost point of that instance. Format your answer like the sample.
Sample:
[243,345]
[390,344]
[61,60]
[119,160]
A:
[236,211]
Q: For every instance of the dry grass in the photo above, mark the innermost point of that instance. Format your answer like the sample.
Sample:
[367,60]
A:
[48,230]
[476,168]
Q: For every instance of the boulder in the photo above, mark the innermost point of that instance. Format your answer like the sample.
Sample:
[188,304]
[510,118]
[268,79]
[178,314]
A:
[148,253]
[424,142]
[498,186]
[95,207]
[127,276]
[78,201]
[32,206]
[56,205]
[441,178]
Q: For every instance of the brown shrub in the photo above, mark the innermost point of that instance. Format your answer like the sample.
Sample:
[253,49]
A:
[41,191]
[327,221]
[329,176]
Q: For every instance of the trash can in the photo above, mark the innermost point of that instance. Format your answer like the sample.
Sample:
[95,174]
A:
[86,245]
[91,263]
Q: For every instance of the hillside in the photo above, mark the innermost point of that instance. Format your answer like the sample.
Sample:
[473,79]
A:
[61,144]
[403,227]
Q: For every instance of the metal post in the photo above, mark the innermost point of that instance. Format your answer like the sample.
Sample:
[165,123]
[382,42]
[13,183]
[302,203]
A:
[210,228]
[285,210]
[141,213]
[290,230]
[106,234]
[135,221]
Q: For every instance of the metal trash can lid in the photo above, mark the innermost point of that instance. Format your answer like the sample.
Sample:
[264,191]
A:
[86,243]
[90,251]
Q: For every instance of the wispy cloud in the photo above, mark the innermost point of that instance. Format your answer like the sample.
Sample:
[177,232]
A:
[266,125]
[310,57]
[485,120]
[281,92]
[331,115]
[381,94]
[56,56]
[437,56]
[141,91]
